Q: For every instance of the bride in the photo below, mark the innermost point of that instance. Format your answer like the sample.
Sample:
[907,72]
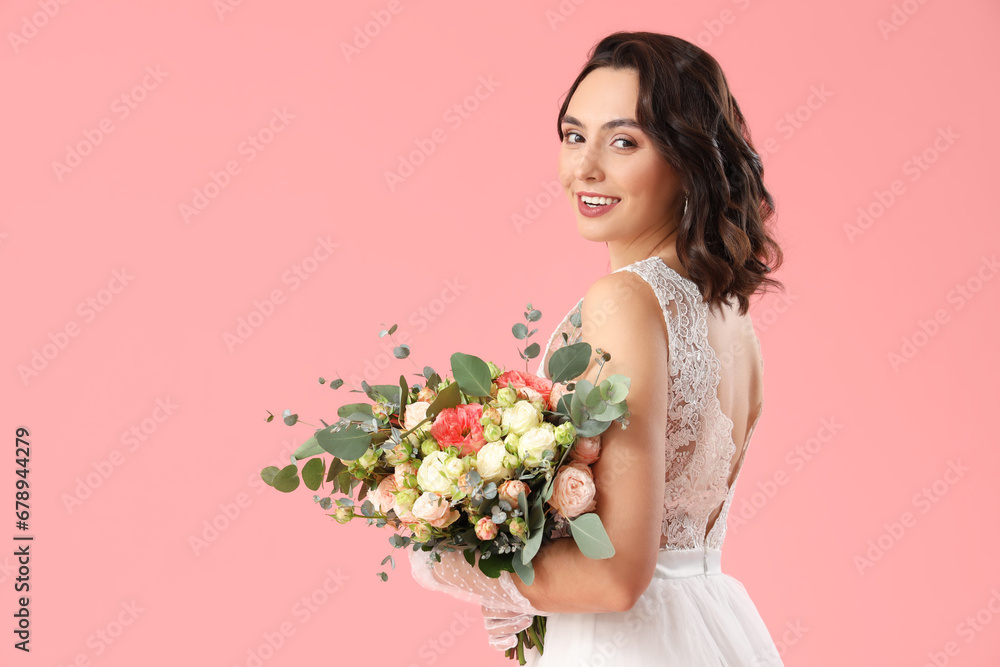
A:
[657,162]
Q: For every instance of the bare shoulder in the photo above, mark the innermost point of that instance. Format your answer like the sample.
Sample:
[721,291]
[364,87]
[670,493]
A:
[622,304]
[622,315]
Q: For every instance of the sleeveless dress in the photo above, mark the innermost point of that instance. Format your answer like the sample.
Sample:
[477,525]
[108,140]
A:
[692,614]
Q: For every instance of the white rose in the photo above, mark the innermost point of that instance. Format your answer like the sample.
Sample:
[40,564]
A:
[533,444]
[431,475]
[521,418]
[490,462]
[454,468]
[415,413]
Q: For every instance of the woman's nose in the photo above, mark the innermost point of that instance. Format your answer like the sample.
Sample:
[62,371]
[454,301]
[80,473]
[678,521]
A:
[588,164]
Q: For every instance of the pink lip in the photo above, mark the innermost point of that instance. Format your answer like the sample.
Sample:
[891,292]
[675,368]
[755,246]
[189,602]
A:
[593,212]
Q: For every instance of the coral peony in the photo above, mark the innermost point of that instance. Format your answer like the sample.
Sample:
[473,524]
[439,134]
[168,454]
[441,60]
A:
[520,381]
[460,427]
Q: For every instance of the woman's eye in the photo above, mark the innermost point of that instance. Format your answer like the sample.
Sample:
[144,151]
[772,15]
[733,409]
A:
[569,136]
[630,144]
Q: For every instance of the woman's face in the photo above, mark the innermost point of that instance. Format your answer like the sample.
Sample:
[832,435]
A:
[605,153]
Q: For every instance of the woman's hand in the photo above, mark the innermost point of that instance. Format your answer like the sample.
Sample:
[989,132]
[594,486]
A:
[503,626]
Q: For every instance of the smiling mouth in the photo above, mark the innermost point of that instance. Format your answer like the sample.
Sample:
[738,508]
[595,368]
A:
[594,207]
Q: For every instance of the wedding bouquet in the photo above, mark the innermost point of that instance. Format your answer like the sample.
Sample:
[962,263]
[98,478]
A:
[485,461]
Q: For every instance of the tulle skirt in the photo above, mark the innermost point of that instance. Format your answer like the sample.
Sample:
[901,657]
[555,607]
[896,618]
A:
[691,615]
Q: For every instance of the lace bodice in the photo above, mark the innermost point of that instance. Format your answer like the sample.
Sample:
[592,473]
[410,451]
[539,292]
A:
[699,445]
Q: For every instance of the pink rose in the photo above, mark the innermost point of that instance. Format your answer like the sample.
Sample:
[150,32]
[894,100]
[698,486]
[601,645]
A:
[508,491]
[573,490]
[401,471]
[586,450]
[460,427]
[435,510]
[558,389]
[382,495]
[520,381]
[486,529]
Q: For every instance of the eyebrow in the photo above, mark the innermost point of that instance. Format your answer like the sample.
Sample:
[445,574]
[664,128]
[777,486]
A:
[617,122]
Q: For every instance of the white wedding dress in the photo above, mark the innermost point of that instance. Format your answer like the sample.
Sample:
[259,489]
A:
[692,614]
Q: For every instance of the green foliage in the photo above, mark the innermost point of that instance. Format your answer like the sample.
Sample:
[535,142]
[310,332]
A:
[472,374]
[590,536]
[287,479]
[312,473]
[347,443]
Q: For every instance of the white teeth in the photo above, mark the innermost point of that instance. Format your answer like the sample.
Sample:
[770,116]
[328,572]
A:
[599,201]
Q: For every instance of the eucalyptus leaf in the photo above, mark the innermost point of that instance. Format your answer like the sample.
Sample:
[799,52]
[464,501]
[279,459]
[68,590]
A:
[495,564]
[343,481]
[520,331]
[336,466]
[312,473]
[287,479]
[345,411]
[591,427]
[470,555]
[307,449]
[590,536]
[532,351]
[404,393]
[569,362]
[268,473]
[389,391]
[524,570]
[348,443]
[472,374]
[611,412]
[448,397]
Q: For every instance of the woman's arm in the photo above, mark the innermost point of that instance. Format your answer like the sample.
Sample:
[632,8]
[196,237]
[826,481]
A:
[622,316]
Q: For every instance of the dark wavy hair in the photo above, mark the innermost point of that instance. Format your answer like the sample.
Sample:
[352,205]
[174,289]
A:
[687,109]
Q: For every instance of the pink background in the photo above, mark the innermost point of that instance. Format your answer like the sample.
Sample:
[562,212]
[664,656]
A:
[443,256]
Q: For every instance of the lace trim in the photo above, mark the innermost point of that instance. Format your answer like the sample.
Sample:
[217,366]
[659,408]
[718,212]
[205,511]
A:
[698,440]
